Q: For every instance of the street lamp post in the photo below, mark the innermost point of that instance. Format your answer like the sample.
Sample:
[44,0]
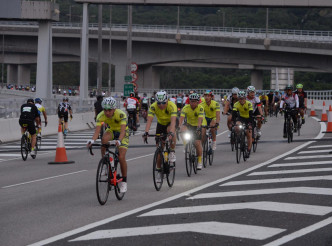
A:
[3,59]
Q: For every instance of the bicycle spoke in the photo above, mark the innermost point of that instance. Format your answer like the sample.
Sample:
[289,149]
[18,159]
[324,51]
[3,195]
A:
[103,181]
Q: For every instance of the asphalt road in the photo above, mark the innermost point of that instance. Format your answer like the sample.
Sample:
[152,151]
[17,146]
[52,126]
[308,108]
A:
[57,203]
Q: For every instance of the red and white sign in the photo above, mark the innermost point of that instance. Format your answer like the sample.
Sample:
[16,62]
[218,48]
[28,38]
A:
[133,67]
[134,77]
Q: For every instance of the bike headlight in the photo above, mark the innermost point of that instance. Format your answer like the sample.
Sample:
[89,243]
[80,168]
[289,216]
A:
[275,103]
[187,136]
[240,126]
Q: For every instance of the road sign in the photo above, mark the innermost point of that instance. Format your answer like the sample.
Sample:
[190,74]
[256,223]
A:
[134,77]
[133,67]
[127,89]
[128,78]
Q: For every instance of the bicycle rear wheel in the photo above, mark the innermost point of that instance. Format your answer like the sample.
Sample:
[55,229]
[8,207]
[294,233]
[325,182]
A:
[103,181]
[211,155]
[193,158]
[170,176]
[188,161]
[119,195]
[158,173]
[38,143]
[205,152]
[24,147]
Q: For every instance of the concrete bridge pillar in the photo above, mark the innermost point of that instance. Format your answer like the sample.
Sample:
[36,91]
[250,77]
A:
[120,73]
[148,77]
[44,60]
[257,79]
[23,74]
[281,77]
[12,73]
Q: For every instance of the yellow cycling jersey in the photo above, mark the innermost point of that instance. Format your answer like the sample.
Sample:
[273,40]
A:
[40,107]
[118,119]
[163,116]
[263,98]
[210,110]
[193,115]
[243,109]
[202,99]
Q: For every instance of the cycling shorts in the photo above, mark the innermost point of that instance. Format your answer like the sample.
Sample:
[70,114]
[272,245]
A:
[63,115]
[115,135]
[193,129]
[30,125]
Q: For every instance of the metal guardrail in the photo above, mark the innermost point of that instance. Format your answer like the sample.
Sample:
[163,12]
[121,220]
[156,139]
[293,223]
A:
[278,34]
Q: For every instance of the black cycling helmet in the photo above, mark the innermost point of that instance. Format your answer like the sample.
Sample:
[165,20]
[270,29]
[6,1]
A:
[100,98]
[289,87]
[30,100]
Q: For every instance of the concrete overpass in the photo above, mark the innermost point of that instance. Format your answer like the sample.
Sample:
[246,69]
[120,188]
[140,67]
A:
[156,46]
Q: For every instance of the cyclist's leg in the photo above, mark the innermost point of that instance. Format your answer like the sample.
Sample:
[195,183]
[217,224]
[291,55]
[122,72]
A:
[229,122]
[122,155]
[249,135]
[65,118]
[213,130]
[32,131]
[107,136]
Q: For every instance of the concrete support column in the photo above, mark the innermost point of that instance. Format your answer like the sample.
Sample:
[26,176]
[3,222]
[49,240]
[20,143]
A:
[44,60]
[148,77]
[257,79]
[84,74]
[120,73]
[12,73]
[23,75]
[281,77]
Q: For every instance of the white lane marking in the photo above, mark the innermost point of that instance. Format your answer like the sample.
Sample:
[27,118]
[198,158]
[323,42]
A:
[314,151]
[221,133]
[37,180]
[186,193]
[263,205]
[310,170]
[139,157]
[322,129]
[320,146]
[280,180]
[10,155]
[214,228]
[301,164]
[17,158]
[308,157]
[301,190]
[300,233]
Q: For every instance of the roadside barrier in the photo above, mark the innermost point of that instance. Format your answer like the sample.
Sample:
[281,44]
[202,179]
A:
[329,123]
[324,114]
[312,112]
[60,155]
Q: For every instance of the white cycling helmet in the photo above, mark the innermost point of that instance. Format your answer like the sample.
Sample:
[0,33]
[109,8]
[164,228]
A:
[109,103]
[251,88]
[161,96]
[235,90]
[241,94]
[194,96]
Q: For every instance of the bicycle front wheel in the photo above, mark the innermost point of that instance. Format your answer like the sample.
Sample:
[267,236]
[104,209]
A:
[158,173]
[238,148]
[103,180]
[205,152]
[171,174]
[193,158]
[24,147]
[188,161]
[211,155]
[232,140]
[38,143]
[119,195]
[289,131]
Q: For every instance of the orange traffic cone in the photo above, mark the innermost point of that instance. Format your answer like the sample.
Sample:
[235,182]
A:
[329,123]
[312,112]
[60,155]
[324,114]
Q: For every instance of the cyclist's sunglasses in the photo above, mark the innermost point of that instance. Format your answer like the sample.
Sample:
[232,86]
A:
[161,103]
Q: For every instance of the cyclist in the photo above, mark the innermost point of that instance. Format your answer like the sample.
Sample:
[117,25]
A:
[264,99]
[97,105]
[212,115]
[256,106]
[302,100]
[194,113]
[153,97]
[145,105]
[276,100]
[117,121]
[188,98]
[292,101]
[166,113]
[29,114]
[63,109]
[271,99]
[243,113]
[41,109]
[138,108]
[229,103]
[132,104]
[179,102]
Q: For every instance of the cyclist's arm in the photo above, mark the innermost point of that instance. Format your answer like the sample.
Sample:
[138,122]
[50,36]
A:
[226,108]
[297,104]
[122,132]
[260,109]
[200,120]
[173,123]
[181,120]
[282,103]
[148,123]
[96,134]
[45,116]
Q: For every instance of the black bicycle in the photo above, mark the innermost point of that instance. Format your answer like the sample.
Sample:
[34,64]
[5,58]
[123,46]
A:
[289,123]
[255,136]
[208,152]
[108,175]
[161,165]
[26,144]
[131,121]
[241,143]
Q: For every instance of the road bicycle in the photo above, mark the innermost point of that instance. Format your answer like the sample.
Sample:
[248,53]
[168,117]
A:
[26,144]
[208,152]
[38,138]
[108,176]
[161,156]
[241,143]
[289,123]
[255,136]
[63,128]
[190,153]
[131,121]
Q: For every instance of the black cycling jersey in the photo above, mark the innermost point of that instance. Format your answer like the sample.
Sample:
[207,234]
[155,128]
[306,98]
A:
[29,112]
